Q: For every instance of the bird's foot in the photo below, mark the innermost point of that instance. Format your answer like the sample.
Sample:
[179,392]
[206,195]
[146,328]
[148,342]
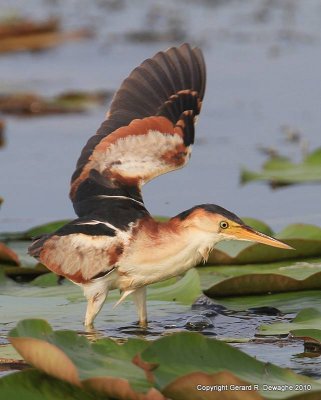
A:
[143,324]
[89,326]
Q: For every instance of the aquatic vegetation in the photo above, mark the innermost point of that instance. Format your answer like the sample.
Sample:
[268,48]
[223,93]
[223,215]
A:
[33,104]
[280,171]
[174,366]
[19,34]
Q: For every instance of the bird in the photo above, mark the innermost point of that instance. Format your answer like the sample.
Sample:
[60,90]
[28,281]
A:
[115,243]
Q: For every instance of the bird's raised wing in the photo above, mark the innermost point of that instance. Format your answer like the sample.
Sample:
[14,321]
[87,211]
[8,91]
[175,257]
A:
[148,131]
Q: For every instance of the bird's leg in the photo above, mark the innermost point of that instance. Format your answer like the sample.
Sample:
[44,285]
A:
[96,299]
[139,297]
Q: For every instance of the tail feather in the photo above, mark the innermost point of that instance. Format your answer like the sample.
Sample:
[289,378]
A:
[35,249]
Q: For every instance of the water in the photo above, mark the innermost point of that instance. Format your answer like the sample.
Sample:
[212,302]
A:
[261,60]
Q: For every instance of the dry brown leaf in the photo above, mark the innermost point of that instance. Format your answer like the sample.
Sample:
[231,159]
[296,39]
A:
[46,357]
[37,42]
[185,387]
[8,255]
[120,389]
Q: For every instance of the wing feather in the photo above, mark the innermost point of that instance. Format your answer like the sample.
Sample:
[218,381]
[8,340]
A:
[149,128]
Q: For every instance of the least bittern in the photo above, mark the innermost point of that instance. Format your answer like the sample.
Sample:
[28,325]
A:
[115,242]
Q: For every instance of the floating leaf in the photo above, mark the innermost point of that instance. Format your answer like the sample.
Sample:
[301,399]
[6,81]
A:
[311,337]
[174,363]
[44,228]
[304,238]
[281,171]
[7,351]
[185,353]
[40,40]
[283,276]
[18,26]
[185,388]
[309,318]
[35,385]
[311,334]
[35,231]
[258,225]
[47,280]
[8,256]
[67,356]
[287,302]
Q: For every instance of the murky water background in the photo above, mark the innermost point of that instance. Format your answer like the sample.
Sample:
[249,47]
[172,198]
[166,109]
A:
[263,60]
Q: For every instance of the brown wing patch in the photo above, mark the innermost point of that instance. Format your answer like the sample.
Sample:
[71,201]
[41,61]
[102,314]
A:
[135,154]
[80,257]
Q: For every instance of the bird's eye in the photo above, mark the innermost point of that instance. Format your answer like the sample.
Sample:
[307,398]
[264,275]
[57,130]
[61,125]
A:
[224,224]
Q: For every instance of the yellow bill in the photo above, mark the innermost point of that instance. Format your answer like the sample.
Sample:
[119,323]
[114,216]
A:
[244,232]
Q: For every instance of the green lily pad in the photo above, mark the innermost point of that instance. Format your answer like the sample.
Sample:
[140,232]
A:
[311,337]
[281,171]
[35,385]
[309,318]
[72,358]
[47,280]
[35,231]
[287,302]
[184,353]
[172,362]
[283,276]
[258,225]
[311,334]
[304,238]
[7,351]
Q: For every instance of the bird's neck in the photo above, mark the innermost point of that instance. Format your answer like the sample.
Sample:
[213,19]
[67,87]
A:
[169,248]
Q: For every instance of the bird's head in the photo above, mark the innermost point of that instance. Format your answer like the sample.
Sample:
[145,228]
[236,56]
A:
[221,224]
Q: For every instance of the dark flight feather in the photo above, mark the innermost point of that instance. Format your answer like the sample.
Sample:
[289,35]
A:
[167,85]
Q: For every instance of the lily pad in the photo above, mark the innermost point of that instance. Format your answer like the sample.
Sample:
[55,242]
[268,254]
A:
[287,302]
[181,360]
[8,256]
[35,385]
[69,357]
[311,334]
[304,238]
[308,318]
[35,231]
[7,351]
[311,337]
[281,171]
[283,276]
